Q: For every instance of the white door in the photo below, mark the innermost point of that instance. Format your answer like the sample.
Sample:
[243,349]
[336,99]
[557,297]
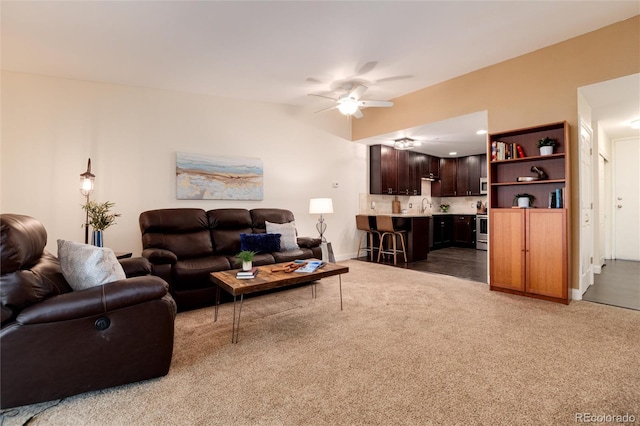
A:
[627,199]
[586,209]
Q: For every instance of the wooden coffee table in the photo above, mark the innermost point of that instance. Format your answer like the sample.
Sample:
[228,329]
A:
[267,280]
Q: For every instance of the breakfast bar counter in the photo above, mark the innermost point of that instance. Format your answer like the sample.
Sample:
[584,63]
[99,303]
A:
[417,237]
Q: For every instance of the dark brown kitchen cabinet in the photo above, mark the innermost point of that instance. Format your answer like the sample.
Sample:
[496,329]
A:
[442,231]
[408,173]
[429,166]
[464,231]
[468,176]
[383,170]
[393,172]
[448,173]
[434,167]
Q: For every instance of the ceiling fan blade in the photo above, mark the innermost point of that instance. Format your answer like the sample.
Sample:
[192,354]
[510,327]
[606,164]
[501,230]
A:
[395,78]
[358,113]
[357,92]
[367,67]
[366,104]
[327,109]
[323,96]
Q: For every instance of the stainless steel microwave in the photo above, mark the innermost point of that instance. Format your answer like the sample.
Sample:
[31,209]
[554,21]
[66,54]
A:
[484,189]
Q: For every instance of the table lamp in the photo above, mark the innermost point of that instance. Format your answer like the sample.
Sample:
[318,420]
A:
[321,206]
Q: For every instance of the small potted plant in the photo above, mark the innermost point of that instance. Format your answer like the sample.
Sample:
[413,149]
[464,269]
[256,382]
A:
[523,200]
[444,207]
[100,218]
[546,145]
[246,256]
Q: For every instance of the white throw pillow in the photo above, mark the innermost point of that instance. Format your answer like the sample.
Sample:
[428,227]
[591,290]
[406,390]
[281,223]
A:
[85,266]
[288,240]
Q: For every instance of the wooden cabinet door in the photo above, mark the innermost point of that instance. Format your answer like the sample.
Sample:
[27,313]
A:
[448,174]
[546,253]
[474,166]
[434,167]
[383,170]
[483,165]
[507,248]
[464,231]
[462,175]
[404,172]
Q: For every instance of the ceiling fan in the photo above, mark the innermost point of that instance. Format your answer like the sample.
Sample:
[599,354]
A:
[350,103]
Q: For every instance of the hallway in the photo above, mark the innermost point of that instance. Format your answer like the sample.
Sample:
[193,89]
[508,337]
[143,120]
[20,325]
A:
[617,285]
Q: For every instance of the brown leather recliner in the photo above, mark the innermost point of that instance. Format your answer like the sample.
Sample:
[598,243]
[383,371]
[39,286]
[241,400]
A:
[185,245]
[56,342]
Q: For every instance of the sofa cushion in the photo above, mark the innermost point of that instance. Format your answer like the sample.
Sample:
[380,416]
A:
[260,243]
[86,266]
[194,273]
[260,216]
[226,227]
[185,232]
[291,255]
[288,240]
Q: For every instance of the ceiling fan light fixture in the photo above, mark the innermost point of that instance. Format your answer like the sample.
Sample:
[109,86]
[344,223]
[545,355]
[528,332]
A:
[348,106]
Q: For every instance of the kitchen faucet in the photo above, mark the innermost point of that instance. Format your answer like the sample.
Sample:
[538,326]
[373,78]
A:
[423,208]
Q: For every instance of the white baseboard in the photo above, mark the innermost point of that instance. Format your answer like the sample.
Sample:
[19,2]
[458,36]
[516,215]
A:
[597,269]
[576,294]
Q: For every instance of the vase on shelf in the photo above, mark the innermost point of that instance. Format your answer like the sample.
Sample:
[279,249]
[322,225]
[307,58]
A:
[546,150]
[96,239]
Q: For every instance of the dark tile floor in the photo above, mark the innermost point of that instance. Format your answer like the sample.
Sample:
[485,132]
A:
[459,262]
[617,285]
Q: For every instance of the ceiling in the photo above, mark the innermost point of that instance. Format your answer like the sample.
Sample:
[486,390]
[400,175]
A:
[280,52]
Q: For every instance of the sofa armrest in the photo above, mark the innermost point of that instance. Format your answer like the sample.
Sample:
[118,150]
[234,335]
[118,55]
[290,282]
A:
[95,300]
[160,256]
[309,242]
[136,266]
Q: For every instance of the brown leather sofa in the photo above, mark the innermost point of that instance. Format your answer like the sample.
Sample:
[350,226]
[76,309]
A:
[55,342]
[185,245]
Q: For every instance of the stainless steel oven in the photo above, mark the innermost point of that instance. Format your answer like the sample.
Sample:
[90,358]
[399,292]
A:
[482,231]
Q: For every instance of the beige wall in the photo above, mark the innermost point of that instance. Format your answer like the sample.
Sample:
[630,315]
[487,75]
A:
[51,126]
[536,88]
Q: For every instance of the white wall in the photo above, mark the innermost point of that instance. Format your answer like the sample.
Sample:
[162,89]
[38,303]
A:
[51,126]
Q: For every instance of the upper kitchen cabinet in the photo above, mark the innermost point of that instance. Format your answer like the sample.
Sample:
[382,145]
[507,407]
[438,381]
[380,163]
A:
[448,175]
[393,172]
[383,170]
[469,173]
[429,166]
[408,166]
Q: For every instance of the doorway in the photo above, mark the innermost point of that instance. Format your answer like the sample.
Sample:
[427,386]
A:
[614,184]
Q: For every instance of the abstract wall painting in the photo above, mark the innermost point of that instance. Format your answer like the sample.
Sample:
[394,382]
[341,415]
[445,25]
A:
[202,177]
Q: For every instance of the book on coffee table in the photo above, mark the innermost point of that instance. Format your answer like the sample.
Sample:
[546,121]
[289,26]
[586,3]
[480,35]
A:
[247,275]
[311,266]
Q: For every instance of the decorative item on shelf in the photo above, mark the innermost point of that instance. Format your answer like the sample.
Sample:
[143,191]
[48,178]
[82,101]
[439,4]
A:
[99,217]
[541,175]
[546,145]
[87,181]
[444,207]
[321,206]
[246,256]
[523,200]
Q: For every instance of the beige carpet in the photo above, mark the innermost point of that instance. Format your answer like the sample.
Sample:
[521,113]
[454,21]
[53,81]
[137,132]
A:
[409,348]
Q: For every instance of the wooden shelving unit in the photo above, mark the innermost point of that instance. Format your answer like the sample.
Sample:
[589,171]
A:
[529,248]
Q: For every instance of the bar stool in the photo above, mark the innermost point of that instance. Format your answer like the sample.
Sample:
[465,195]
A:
[367,224]
[384,224]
